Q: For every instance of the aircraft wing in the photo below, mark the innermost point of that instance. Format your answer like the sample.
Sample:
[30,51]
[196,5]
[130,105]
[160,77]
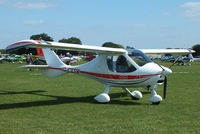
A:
[167,51]
[67,46]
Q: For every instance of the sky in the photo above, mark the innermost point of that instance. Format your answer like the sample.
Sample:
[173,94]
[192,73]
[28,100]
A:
[143,24]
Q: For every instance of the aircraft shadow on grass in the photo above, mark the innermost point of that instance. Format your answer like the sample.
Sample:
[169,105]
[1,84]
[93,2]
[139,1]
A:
[63,100]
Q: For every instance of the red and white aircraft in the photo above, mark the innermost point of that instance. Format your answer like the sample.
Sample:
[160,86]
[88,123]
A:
[112,67]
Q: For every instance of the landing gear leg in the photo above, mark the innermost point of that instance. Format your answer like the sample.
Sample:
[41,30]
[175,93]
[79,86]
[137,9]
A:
[155,99]
[135,95]
[103,97]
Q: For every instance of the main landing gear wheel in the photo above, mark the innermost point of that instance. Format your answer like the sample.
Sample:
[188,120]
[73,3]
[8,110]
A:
[103,97]
[135,95]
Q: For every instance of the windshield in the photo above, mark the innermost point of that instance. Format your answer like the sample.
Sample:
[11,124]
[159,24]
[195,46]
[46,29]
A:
[139,57]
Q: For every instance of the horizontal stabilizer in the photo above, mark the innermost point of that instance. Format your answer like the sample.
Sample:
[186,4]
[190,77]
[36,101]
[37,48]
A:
[51,72]
[44,70]
[34,66]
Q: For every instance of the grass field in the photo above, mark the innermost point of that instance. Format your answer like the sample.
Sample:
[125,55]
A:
[34,104]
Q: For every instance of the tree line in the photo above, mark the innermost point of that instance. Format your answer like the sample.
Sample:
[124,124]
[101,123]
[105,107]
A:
[74,40]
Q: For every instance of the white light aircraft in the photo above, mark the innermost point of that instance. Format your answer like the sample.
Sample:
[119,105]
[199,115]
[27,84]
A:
[112,67]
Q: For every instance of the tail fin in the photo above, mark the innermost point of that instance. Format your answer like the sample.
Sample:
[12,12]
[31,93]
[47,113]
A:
[52,59]
[55,65]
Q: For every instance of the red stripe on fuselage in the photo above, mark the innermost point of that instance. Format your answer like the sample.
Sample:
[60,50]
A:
[112,76]
[62,69]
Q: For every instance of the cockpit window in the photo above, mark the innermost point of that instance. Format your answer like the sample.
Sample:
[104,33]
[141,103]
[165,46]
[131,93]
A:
[119,64]
[139,57]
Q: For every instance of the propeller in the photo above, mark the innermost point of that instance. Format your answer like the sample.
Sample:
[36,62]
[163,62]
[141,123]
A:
[174,62]
[165,87]
[165,71]
[159,65]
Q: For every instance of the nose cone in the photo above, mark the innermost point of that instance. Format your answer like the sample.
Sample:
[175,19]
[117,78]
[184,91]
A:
[167,71]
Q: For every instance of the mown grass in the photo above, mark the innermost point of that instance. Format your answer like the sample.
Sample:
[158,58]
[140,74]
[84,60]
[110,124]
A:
[34,104]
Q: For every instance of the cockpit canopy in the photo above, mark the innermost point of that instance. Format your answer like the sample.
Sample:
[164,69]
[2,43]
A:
[121,64]
[139,57]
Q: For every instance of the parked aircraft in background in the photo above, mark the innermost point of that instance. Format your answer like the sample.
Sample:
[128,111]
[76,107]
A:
[179,56]
[182,60]
[12,58]
[68,58]
[1,59]
[89,57]
[196,59]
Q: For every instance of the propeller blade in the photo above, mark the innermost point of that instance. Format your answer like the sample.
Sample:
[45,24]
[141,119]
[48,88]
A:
[158,64]
[174,62]
[165,87]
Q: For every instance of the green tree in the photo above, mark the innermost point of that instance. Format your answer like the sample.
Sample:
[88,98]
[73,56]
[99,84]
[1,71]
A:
[129,47]
[42,36]
[197,49]
[113,45]
[2,51]
[72,40]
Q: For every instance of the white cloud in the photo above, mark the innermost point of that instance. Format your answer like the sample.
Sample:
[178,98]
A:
[151,15]
[40,5]
[165,13]
[34,22]
[192,9]
[2,1]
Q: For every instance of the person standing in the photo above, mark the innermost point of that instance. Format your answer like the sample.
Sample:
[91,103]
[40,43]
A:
[29,60]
